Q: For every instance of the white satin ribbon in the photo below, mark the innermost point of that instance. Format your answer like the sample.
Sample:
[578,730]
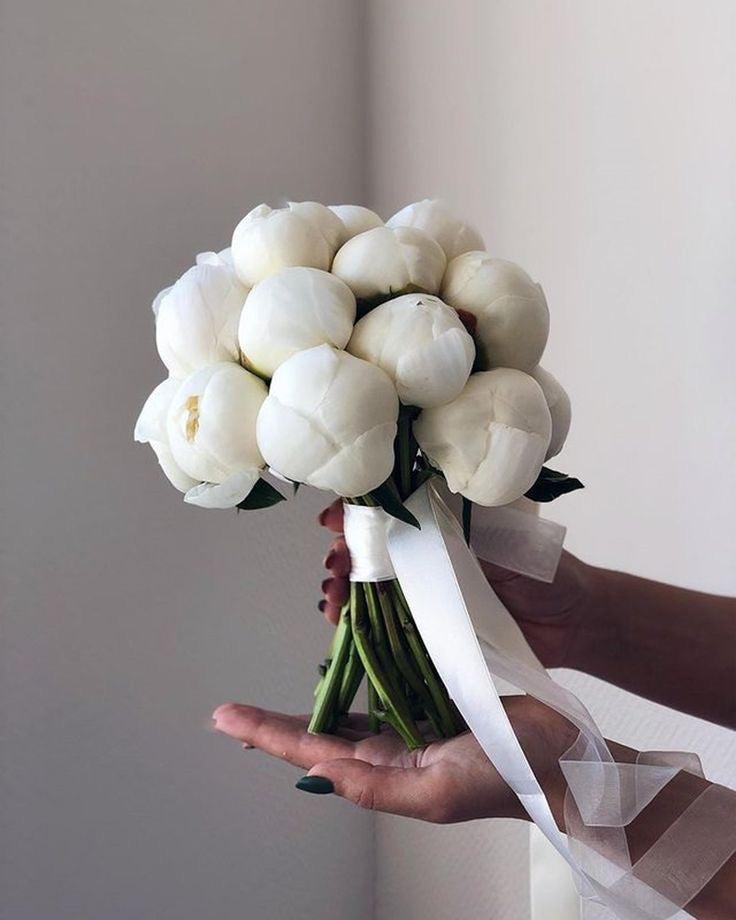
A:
[365,534]
[470,636]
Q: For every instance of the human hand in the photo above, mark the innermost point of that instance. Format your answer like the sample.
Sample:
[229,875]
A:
[555,618]
[445,782]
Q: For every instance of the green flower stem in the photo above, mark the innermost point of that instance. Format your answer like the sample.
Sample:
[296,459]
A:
[397,713]
[436,688]
[351,680]
[374,723]
[323,716]
[404,664]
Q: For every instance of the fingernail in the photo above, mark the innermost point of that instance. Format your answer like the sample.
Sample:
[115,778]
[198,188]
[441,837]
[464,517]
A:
[248,747]
[319,785]
[329,559]
[322,606]
[322,517]
[326,584]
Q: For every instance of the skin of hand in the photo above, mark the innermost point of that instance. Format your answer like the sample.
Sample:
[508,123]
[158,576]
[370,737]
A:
[447,781]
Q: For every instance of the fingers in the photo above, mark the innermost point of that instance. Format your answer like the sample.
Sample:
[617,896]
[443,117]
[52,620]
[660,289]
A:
[414,793]
[279,734]
[337,559]
[336,588]
[331,517]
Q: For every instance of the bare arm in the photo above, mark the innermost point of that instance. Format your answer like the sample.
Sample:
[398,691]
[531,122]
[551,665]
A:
[670,645]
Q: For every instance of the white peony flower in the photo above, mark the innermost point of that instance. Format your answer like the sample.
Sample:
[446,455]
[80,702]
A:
[505,310]
[151,429]
[267,240]
[559,406]
[421,344]
[434,218]
[211,430]
[197,318]
[294,309]
[386,261]
[330,421]
[491,441]
[356,219]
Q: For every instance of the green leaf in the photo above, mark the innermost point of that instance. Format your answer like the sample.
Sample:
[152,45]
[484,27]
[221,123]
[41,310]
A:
[467,516]
[262,495]
[551,484]
[387,498]
[422,476]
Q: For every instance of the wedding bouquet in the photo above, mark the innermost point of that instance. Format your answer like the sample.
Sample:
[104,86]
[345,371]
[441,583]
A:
[328,348]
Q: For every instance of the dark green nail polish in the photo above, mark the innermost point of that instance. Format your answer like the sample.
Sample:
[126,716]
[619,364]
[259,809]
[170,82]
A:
[319,785]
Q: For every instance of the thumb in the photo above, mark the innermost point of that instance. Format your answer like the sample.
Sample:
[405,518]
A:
[415,792]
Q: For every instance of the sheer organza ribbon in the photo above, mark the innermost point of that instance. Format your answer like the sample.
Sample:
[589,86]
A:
[472,638]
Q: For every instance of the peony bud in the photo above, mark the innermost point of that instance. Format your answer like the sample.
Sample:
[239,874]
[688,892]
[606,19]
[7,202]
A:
[324,219]
[211,428]
[356,219]
[559,406]
[383,261]
[223,257]
[504,309]
[266,240]
[421,344]
[294,309]
[329,420]
[197,319]
[491,441]
[434,218]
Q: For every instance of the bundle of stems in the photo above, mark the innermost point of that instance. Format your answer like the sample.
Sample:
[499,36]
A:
[376,640]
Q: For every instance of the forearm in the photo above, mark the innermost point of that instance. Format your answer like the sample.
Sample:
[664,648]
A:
[715,900]
[668,644]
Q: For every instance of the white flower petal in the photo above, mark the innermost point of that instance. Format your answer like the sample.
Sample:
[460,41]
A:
[211,422]
[508,309]
[559,408]
[436,220]
[329,420]
[173,472]
[151,423]
[386,261]
[491,440]
[226,494]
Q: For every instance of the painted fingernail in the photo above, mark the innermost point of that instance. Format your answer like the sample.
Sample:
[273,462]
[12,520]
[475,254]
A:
[330,558]
[319,785]
[322,606]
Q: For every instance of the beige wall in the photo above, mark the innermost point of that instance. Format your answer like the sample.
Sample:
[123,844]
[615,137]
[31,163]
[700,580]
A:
[594,143]
[135,134]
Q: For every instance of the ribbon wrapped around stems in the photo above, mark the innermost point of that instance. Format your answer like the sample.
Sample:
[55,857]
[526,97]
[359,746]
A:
[471,638]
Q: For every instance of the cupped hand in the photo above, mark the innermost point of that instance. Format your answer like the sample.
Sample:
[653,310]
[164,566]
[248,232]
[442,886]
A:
[553,617]
[447,781]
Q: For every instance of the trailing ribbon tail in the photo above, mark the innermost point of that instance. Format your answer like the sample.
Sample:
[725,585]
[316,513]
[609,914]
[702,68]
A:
[470,636]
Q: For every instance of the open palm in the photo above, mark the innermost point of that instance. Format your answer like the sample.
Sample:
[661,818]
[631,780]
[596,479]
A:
[446,781]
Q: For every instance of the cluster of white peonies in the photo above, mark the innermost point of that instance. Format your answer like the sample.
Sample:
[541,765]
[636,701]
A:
[294,350]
